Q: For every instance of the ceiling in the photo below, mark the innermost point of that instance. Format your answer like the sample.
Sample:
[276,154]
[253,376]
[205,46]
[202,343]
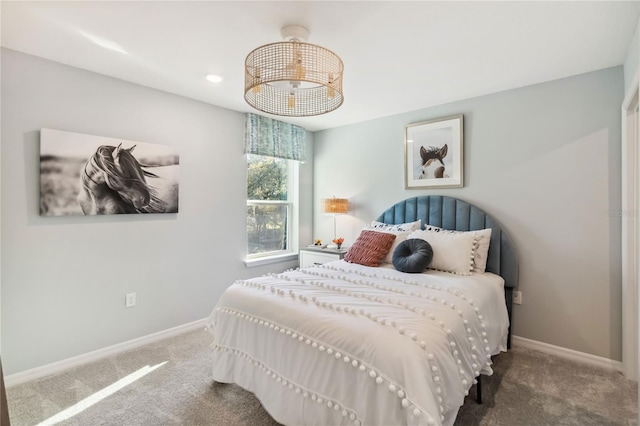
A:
[398,56]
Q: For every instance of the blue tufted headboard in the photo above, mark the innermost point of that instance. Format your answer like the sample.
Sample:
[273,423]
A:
[452,213]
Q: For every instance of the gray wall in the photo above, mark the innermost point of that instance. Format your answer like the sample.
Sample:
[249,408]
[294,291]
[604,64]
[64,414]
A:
[64,278]
[544,160]
[632,61]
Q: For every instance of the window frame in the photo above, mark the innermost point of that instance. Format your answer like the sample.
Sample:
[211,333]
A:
[292,204]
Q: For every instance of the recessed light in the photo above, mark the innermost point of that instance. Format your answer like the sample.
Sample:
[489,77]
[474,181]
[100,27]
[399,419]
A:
[214,78]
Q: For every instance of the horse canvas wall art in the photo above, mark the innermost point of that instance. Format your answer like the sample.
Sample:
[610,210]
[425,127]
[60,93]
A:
[93,175]
[434,153]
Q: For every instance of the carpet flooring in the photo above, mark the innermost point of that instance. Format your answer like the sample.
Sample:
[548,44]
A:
[168,383]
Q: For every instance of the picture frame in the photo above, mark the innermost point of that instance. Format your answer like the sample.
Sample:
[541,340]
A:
[434,153]
[84,174]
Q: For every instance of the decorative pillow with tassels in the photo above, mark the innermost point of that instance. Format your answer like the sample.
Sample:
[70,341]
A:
[452,252]
[481,253]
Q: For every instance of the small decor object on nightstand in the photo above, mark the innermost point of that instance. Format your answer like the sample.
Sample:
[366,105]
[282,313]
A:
[317,244]
[338,242]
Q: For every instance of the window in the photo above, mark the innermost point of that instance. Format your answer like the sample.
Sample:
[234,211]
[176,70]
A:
[273,150]
[272,208]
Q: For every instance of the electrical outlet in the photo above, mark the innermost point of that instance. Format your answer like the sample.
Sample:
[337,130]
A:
[517,297]
[130,300]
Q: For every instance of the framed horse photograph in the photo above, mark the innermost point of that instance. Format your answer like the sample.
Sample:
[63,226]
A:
[94,175]
[433,154]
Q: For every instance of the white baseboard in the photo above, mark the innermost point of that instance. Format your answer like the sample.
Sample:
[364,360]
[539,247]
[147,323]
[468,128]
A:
[594,360]
[65,364]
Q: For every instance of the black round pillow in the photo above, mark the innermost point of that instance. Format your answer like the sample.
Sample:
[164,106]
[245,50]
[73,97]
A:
[412,255]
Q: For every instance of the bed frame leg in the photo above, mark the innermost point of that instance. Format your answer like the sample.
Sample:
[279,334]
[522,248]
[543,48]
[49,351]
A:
[479,389]
[508,292]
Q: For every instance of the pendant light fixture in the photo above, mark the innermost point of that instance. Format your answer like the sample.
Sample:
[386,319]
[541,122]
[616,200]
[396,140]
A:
[293,78]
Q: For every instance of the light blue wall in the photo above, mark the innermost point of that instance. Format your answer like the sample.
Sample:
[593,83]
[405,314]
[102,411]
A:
[64,278]
[544,160]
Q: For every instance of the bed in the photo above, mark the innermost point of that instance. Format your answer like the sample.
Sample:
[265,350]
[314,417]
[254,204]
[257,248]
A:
[348,344]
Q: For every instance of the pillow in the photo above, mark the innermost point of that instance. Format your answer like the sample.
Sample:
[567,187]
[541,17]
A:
[452,251]
[482,249]
[412,256]
[370,248]
[481,253]
[409,226]
[400,237]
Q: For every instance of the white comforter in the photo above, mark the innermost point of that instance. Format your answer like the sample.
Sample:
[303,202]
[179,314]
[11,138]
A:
[345,344]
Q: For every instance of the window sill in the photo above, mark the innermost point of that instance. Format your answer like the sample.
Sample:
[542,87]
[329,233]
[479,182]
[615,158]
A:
[260,261]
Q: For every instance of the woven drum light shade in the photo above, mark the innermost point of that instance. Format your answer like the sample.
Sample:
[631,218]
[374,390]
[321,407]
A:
[293,78]
[336,205]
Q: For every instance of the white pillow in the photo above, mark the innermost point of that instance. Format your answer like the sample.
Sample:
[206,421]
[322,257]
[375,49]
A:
[409,226]
[400,237]
[482,247]
[452,251]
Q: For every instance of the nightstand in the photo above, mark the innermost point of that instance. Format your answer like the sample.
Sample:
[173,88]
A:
[310,256]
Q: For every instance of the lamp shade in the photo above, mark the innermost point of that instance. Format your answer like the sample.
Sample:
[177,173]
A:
[336,205]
